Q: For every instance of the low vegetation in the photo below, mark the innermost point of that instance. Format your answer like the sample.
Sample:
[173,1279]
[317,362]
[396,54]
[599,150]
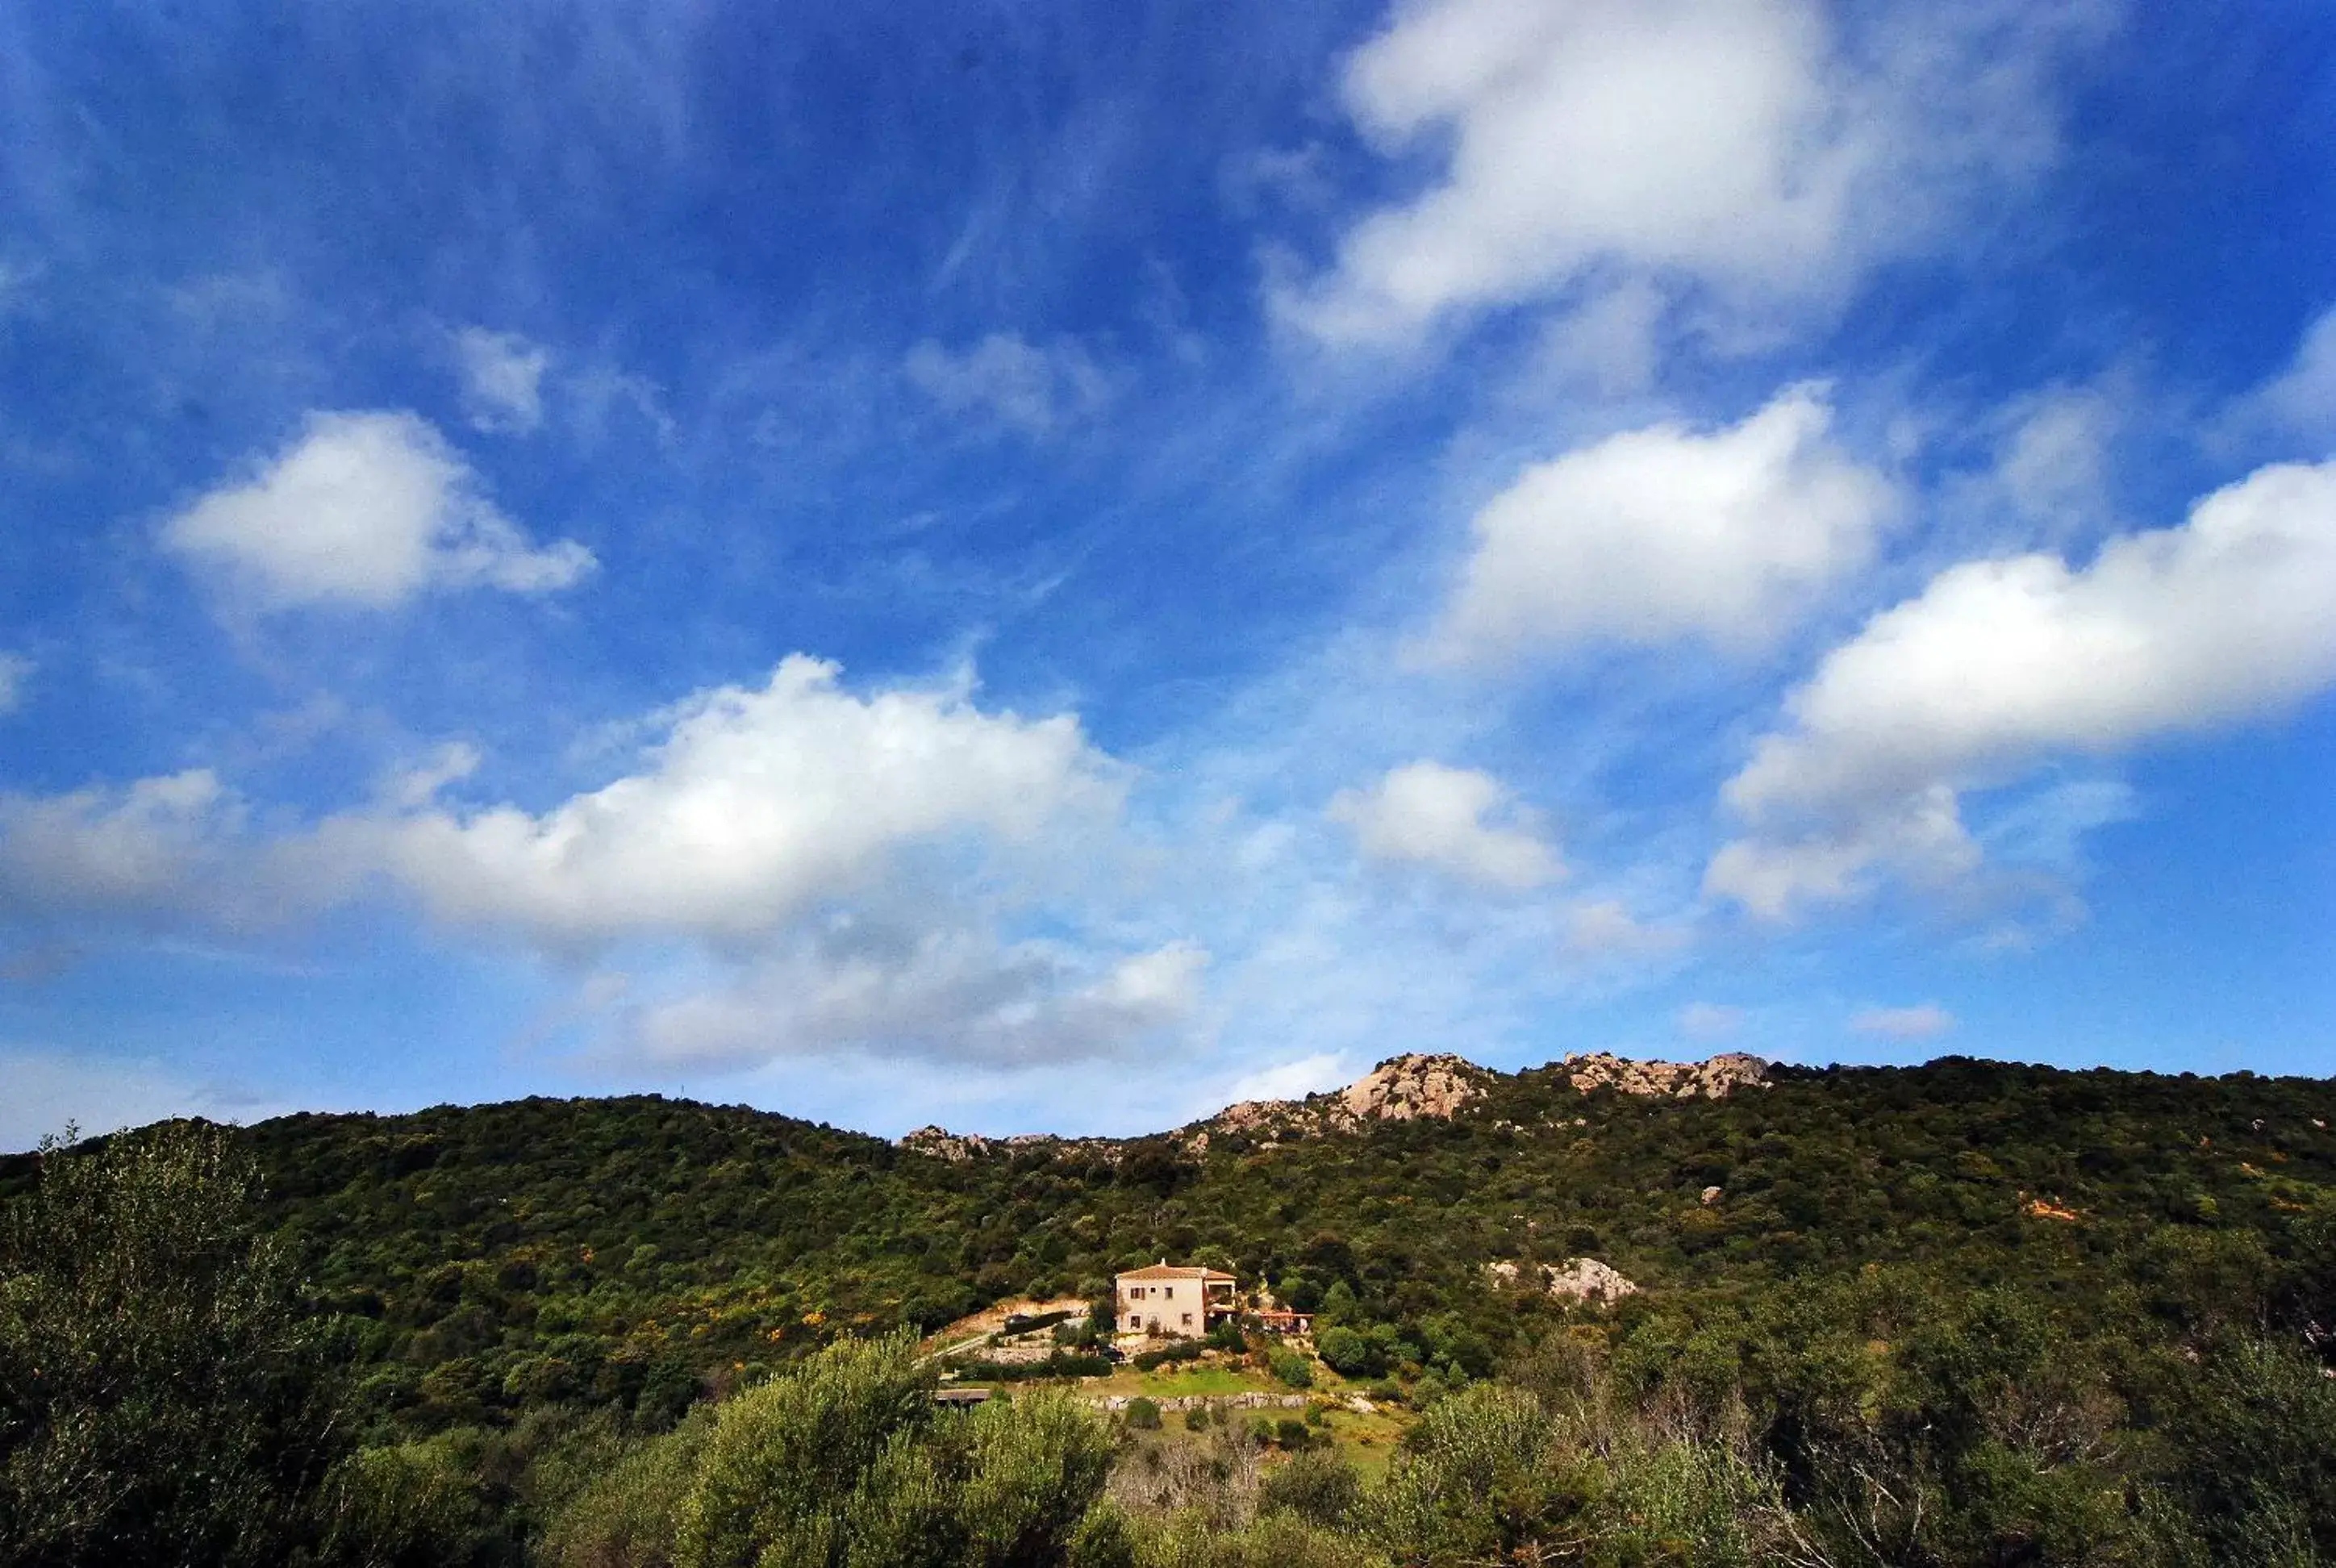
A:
[1963,1314]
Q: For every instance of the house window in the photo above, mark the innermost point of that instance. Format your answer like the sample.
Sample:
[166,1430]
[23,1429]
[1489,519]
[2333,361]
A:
[1188,1320]
[1168,1290]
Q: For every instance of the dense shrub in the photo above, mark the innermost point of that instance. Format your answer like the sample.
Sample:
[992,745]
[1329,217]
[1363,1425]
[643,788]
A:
[163,1399]
[846,1460]
[1316,1486]
[1170,1355]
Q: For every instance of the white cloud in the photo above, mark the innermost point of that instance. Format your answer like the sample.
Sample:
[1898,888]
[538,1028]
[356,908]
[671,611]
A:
[49,1088]
[1604,928]
[366,509]
[2000,666]
[15,669]
[1611,341]
[950,994]
[2302,398]
[1920,838]
[796,869]
[2053,467]
[1925,1021]
[156,845]
[1424,814]
[1745,145]
[503,379]
[1007,379]
[1663,534]
[1293,1080]
[1707,1021]
[757,805]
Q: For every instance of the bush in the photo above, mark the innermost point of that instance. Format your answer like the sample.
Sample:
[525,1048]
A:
[841,1460]
[1169,1355]
[1196,1420]
[1143,1415]
[1292,1433]
[1293,1370]
[162,1398]
[1347,1352]
[627,1513]
[1060,1364]
[1316,1486]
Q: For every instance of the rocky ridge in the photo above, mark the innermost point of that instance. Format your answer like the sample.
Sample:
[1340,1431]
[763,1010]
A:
[1712,1080]
[1407,1087]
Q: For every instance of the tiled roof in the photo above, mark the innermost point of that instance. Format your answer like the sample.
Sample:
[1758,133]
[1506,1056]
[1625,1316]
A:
[1164,1272]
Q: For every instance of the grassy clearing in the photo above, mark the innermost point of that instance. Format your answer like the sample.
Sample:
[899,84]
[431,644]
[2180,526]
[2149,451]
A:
[1168,1382]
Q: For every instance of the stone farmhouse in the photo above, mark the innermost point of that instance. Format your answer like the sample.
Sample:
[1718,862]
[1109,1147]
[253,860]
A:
[1181,1303]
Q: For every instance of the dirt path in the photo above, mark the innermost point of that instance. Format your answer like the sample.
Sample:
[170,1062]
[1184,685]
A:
[984,1326]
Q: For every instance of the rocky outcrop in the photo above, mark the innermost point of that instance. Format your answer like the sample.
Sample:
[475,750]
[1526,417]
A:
[1584,1280]
[957,1147]
[1411,1086]
[1711,1080]
[943,1144]
[1400,1089]
[1587,1280]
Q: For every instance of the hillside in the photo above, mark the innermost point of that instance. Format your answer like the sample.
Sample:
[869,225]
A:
[641,1250]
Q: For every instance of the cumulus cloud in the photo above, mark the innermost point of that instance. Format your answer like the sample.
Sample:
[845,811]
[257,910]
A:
[950,994]
[15,669]
[2302,399]
[1424,814]
[1920,838]
[757,803]
[1923,1022]
[796,868]
[157,845]
[1667,532]
[1005,379]
[2000,666]
[367,510]
[1745,145]
[503,379]
[1605,928]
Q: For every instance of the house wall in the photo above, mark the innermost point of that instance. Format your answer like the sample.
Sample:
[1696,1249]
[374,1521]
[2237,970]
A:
[1170,1307]
[1174,1306]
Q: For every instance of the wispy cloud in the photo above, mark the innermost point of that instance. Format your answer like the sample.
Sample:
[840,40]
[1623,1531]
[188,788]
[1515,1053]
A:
[49,1089]
[503,379]
[1924,1021]
[1006,380]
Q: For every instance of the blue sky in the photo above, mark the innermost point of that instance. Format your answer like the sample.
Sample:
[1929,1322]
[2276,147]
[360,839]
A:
[1052,567]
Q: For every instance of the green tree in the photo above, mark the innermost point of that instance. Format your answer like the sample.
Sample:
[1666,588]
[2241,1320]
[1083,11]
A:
[163,1399]
[843,1462]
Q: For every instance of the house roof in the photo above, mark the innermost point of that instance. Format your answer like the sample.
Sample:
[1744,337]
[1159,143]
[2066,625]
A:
[1163,1270]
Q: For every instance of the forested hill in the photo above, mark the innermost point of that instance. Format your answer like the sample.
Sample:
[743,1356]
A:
[642,1249]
